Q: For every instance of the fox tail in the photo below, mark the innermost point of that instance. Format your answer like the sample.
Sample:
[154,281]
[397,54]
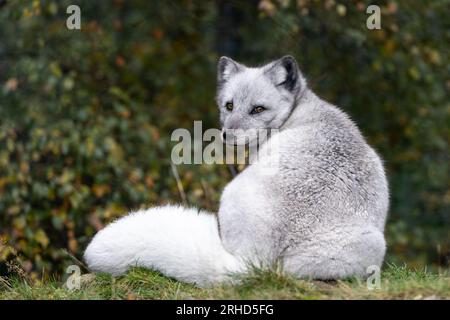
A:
[180,243]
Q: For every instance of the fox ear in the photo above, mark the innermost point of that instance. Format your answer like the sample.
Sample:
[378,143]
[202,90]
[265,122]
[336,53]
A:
[227,67]
[285,73]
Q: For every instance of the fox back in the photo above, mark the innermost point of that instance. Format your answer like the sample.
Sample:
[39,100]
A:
[328,179]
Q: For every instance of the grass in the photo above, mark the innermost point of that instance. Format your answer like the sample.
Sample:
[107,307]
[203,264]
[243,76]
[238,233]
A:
[396,283]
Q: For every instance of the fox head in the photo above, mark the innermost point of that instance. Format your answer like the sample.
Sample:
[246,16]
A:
[256,98]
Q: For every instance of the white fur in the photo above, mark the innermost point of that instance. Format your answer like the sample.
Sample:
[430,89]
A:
[181,243]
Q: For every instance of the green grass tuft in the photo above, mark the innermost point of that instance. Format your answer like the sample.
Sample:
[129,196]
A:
[397,282]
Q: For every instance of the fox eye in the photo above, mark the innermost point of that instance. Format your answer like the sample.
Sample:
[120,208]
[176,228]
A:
[257,109]
[229,106]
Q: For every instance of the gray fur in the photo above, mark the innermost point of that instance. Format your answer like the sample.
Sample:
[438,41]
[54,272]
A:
[323,214]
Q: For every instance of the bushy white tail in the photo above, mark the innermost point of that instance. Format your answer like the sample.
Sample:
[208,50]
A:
[180,243]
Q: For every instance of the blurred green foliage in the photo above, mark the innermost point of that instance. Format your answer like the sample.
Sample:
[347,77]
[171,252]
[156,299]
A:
[86,116]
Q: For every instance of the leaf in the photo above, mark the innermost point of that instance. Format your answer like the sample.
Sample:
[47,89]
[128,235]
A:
[41,237]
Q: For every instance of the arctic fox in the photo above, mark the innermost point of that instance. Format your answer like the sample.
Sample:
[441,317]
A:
[321,216]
